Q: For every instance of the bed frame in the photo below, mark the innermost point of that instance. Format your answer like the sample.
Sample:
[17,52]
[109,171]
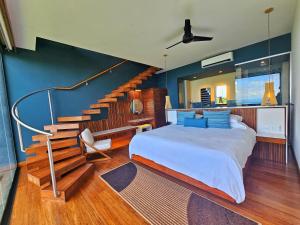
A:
[187,179]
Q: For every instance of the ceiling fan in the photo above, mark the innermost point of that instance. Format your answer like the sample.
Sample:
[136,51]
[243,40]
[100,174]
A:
[188,37]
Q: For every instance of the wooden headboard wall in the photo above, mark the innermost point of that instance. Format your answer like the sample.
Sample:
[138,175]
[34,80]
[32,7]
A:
[248,114]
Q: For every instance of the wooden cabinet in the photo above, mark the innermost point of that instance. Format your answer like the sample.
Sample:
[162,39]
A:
[154,105]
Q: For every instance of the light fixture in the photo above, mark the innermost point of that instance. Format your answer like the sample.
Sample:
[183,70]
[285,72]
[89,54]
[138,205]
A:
[269,97]
[194,77]
[168,104]
[220,71]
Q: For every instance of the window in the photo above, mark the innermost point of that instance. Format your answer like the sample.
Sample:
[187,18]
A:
[221,94]
[250,90]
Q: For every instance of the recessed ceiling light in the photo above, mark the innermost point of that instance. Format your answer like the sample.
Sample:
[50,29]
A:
[194,77]
[220,71]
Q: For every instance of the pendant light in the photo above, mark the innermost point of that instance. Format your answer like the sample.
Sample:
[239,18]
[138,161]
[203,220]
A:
[269,97]
[168,104]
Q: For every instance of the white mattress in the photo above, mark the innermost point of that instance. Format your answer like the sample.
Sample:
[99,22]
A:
[213,156]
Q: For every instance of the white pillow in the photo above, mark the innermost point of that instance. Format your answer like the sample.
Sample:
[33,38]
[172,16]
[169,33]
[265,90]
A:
[198,116]
[87,136]
[236,118]
[239,125]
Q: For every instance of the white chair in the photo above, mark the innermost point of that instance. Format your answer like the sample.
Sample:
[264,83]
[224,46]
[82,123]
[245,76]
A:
[95,147]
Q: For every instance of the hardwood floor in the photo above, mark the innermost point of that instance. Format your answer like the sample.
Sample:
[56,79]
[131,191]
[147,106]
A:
[272,197]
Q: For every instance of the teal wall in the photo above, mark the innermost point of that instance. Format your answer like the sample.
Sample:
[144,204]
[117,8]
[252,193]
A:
[278,45]
[55,64]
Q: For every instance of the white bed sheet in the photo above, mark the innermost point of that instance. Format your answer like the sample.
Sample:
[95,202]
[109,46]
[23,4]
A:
[213,156]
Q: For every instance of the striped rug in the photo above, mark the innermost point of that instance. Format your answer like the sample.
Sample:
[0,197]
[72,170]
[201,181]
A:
[162,201]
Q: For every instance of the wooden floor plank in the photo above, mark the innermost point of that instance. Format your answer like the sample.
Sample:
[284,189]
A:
[272,197]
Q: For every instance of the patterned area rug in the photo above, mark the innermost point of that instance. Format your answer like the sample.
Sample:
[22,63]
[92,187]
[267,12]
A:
[162,201]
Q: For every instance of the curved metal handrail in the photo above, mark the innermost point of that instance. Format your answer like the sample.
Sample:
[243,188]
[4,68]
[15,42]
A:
[16,116]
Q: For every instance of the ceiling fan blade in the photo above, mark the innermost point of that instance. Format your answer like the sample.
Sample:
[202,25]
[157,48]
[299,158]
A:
[202,38]
[174,45]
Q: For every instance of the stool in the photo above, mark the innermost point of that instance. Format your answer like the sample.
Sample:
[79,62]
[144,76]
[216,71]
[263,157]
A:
[144,127]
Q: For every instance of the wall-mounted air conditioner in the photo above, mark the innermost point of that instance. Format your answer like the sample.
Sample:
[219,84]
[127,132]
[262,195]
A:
[216,60]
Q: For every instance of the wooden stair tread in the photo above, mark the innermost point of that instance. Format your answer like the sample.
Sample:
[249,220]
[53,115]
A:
[73,118]
[106,100]
[128,85]
[153,69]
[99,105]
[123,90]
[42,147]
[57,155]
[69,183]
[58,135]
[91,111]
[41,161]
[141,78]
[114,95]
[42,176]
[65,126]
[136,81]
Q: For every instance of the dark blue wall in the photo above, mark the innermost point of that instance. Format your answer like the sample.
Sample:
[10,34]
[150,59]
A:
[278,45]
[55,64]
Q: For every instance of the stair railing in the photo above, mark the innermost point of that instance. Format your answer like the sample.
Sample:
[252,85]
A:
[20,123]
[15,114]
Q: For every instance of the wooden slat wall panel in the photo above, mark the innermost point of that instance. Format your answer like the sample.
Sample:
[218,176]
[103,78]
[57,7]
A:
[118,116]
[269,151]
[119,112]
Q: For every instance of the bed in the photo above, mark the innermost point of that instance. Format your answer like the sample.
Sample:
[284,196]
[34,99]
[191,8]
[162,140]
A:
[210,158]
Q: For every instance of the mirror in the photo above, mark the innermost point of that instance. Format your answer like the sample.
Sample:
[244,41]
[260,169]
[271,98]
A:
[136,106]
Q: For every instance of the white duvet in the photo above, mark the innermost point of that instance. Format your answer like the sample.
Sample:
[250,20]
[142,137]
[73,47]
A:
[213,156]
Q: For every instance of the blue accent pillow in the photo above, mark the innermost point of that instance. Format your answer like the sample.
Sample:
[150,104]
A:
[182,115]
[217,119]
[193,122]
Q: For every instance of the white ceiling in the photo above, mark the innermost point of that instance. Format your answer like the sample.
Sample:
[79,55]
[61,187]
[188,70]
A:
[140,30]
